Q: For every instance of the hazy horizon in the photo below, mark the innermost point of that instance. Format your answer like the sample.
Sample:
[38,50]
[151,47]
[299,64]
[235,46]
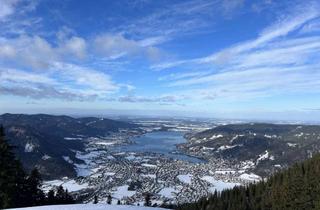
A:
[134,114]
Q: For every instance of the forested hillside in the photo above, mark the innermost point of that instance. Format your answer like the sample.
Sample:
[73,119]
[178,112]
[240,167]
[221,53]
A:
[269,147]
[295,188]
[20,189]
[44,140]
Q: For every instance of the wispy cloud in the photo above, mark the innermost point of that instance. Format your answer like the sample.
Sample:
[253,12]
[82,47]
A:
[281,28]
[313,26]
[178,76]
[62,80]
[7,8]
[164,99]
[113,46]
[36,52]
[83,76]
[277,62]
[179,18]
[118,58]
[14,19]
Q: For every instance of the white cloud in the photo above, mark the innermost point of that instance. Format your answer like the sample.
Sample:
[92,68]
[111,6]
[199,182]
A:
[14,19]
[278,62]
[168,99]
[281,28]
[311,27]
[178,19]
[152,41]
[113,46]
[61,80]
[7,51]
[39,86]
[76,46]
[84,77]
[7,8]
[37,53]
[178,76]
[229,6]
[18,76]
[167,65]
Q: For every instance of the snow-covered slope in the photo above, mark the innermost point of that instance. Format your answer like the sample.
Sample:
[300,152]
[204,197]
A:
[89,207]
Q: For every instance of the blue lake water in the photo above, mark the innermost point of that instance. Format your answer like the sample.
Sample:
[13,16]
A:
[163,142]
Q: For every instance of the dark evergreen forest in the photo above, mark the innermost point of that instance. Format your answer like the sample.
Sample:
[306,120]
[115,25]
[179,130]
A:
[19,189]
[295,188]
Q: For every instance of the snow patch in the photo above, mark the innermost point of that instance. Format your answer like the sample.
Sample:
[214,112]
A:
[263,156]
[71,185]
[291,144]
[122,192]
[105,143]
[218,185]
[67,158]
[225,147]
[72,138]
[152,176]
[130,157]
[29,147]
[185,178]
[250,177]
[89,207]
[234,138]
[226,171]
[82,170]
[45,157]
[148,165]
[216,136]
[168,192]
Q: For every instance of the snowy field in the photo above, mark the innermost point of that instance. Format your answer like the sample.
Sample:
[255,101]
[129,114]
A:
[89,207]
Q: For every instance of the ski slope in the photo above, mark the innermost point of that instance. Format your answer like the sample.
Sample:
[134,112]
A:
[89,207]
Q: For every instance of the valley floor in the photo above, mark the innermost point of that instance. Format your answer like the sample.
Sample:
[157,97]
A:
[127,176]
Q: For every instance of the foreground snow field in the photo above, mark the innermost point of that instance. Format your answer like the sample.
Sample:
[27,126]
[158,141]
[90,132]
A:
[89,207]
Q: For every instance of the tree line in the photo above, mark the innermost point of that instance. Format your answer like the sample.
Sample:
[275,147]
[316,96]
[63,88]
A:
[19,189]
[295,188]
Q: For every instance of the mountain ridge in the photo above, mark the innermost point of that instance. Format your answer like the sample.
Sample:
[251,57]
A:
[44,140]
[268,146]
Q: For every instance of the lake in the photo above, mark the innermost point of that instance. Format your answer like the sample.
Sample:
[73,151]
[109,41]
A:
[163,142]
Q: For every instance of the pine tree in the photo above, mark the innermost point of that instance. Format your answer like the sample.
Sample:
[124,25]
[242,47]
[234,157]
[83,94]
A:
[12,176]
[147,199]
[19,190]
[60,195]
[109,199]
[51,199]
[68,198]
[33,184]
[95,199]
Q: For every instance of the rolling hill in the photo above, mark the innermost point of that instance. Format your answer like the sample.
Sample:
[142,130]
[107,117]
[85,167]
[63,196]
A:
[268,147]
[45,140]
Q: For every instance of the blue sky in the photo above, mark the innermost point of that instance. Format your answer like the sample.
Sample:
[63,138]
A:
[214,58]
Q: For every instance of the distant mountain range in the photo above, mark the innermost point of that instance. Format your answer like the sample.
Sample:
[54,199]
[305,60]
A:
[267,147]
[43,140]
